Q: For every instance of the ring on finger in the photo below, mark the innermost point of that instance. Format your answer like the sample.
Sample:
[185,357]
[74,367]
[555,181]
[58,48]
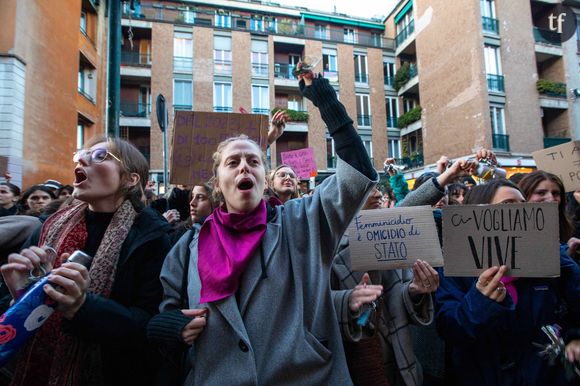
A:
[500,289]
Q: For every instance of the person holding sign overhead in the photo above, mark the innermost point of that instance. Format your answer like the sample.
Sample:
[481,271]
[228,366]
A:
[258,282]
[490,323]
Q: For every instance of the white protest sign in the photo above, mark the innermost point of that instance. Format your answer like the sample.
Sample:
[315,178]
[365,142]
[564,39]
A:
[383,239]
[563,161]
[524,237]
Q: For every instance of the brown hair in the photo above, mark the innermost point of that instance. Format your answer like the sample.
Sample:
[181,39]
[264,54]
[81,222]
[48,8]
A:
[273,174]
[217,159]
[132,161]
[530,182]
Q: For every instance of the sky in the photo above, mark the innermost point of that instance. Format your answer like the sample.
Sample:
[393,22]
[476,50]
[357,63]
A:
[361,8]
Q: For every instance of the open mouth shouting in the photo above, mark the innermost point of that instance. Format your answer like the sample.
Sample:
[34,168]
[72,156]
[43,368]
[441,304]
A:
[245,184]
[80,176]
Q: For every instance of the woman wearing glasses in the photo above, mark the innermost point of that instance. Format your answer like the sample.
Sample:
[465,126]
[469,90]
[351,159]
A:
[284,183]
[97,335]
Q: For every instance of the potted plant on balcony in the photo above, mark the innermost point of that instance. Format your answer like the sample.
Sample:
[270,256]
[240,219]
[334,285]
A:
[401,77]
[409,117]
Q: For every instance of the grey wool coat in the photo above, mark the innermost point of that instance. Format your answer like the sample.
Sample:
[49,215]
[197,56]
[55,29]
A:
[397,310]
[281,329]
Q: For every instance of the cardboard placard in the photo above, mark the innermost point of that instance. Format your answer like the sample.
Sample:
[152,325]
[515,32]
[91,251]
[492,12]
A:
[524,237]
[563,161]
[383,239]
[3,165]
[197,135]
[302,161]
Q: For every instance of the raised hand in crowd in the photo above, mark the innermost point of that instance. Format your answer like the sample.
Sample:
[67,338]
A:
[192,329]
[442,164]
[277,125]
[364,293]
[486,154]
[457,169]
[489,283]
[425,279]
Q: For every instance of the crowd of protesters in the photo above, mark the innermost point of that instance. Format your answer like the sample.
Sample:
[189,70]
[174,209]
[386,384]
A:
[244,280]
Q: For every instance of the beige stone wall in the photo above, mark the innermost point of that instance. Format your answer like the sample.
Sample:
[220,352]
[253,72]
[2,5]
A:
[241,71]
[523,122]
[316,127]
[161,83]
[553,70]
[202,69]
[452,83]
[378,108]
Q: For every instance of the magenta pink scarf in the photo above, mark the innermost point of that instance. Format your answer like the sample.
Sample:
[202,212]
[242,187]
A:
[227,242]
[508,281]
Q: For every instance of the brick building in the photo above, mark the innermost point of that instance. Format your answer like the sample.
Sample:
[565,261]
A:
[52,85]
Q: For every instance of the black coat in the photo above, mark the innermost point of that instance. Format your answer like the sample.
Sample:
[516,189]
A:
[119,323]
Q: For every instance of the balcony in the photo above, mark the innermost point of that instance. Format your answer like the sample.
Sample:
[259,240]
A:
[544,36]
[283,71]
[410,117]
[553,95]
[182,64]
[413,161]
[222,67]
[363,120]
[130,58]
[500,142]
[495,83]
[260,69]
[554,141]
[222,109]
[405,33]
[407,79]
[168,13]
[135,110]
[361,77]
[258,110]
[490,25]
[548,45]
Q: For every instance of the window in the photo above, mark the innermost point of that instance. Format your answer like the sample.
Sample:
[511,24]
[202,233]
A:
[80,136]
[497,119]
[182,52]
[349,35]
[408,104]
[273,25]
[376,39]
[392,111]
[368,144]
[84,22]
[330,154]
[487,8]
[360,69]
[330,64]
[389,72]
[260,99]
[363,110]
[259,58]
[222,55]
[320,31]
[404,22]
[223,19]
[87,82]
[182,94]
[394,149]
[222,97]
[295,103]
[257,23]
[493,68]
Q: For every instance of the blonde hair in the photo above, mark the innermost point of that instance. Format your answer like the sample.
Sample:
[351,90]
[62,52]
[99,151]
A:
[217,159]
[273,174]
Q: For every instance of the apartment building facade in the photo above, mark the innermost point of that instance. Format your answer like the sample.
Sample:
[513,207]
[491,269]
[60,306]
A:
[238,56]
[475,74]
[52,85]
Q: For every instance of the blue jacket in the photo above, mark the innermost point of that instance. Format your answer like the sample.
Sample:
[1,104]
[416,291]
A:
[490,343]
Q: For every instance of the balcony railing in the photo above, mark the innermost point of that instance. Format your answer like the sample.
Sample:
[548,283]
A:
[182,64]
[260,69]
[411,162]
[222,109]
[363,120]
[490,24]
[551,89]
[84,93]
[554,141]
[361,78]
[283,71]
[495,83]
[135,110]
[259,110]
[223,67]
[135,58]
[501,142]
[183,107]
[413,72]
[294,28]
[545,36]
[392,122]
[405,33]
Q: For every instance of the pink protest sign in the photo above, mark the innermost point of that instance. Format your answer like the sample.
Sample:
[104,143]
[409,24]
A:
[302,161]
